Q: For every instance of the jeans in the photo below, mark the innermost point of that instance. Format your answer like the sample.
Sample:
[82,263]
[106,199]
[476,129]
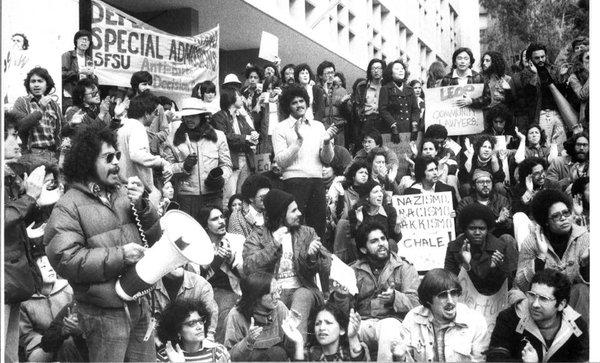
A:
[11,332]
[301,300]
[234,183]
[274,354]
[380,335]
[309,194]
[117,335]
[226,300]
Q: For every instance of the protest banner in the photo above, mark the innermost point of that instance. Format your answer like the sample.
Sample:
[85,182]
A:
[441,109]
[124,45]
[263,162]
[490,306]
[426,226]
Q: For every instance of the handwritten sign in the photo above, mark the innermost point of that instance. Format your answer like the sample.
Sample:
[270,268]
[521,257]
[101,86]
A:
[427,228]
[263,162]
[457,120]
[269,47]
[490,306]
[123,45]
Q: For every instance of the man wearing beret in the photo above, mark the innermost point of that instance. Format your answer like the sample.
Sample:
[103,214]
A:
[290,250]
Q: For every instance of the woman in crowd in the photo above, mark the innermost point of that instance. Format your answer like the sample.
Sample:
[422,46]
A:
[371,207]
[40,118]
[182,330]
[378,162]
[305,77]
[556,242]
[533,144]
[417,87]
[494,75]
[578,83]
[335,337]
[235,204]
[399,110]
[87,106]
[254,331]
[580,191]
[250,215]
[207,92]
[371,138]
[435,74]
[251,91]
[482,156]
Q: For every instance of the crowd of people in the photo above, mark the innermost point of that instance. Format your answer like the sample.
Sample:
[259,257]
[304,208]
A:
[89,175]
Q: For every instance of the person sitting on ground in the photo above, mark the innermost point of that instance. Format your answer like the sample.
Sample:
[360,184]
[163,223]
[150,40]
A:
[543,327]
[254,327]
[371,139]
[533,144]
[377,160]
[335,337]
[251,215]
[182,329]
[87,105]
[483,157]
[426,176]
[580,191]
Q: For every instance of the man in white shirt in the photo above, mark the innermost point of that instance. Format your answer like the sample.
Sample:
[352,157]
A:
[301,147]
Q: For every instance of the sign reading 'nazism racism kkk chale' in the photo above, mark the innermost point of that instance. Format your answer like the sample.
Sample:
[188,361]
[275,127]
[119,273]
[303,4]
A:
[123,45]
[427,228]
[441,109]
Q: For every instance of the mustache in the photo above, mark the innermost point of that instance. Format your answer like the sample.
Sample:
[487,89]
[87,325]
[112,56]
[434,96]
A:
[114,170]
[449,306]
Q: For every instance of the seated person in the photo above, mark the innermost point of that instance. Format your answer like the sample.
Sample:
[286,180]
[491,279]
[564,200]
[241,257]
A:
[580,191]
[377,160]
[533,145]
[335,334]
[441,329]
[179,285]
[371,139]
[489,261]
[254,327]
[426,176]
[387,290]
[483,157]
[38,312]
[182,328]
[542,327]
[64,337]
[250,216]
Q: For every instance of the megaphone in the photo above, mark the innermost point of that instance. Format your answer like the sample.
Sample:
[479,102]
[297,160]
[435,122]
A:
[183,240]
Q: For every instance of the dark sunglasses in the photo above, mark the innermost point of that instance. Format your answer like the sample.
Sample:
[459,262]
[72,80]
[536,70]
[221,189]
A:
[453,293]
[110,156]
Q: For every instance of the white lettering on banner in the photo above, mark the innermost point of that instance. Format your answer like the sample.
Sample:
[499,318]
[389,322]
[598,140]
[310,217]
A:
[426,226]
[490,306]
[457,120]
[123,45]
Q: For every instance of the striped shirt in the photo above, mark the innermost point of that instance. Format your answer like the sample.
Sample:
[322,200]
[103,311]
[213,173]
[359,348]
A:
[214,354]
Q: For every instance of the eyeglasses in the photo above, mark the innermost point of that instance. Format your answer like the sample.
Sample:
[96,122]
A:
[453,293]
[110,156]
[483,182]
[193,323]
[93,94]
[538,173]
[532,296]
[560,215]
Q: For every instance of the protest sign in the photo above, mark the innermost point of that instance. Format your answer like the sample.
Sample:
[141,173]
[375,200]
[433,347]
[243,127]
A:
[490,306]
[263,162]
[269,47]
[123,45]
[441,110]
[426,226]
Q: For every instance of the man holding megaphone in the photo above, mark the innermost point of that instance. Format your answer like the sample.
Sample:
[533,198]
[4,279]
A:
[92,238]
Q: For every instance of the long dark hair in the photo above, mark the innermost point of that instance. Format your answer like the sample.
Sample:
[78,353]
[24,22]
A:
[387,73]
[172,318]
[254,287]
[498,66]
[342,318]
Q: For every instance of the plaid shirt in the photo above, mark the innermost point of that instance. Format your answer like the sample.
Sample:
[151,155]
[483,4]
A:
[45,134]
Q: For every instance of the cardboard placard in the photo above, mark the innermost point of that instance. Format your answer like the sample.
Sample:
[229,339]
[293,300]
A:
[427,228]
[441,109]
[263,162]
[269,47]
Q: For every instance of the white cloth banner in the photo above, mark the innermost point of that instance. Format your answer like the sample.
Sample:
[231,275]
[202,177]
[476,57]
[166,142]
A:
[426,226]
[124,45]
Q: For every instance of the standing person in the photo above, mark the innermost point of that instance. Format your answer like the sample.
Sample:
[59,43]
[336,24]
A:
[367,97]
[207,92]
[40,118]
[201,159]
[134,145]
[305,78]
[290,249]
[499,83]
[443,328]
[399,110]
[543,327]
[301,148]
[387,290]
[241,139]
[77,64]
[92,238]
[335,96]
[435,74]
[20,206]
[226,269]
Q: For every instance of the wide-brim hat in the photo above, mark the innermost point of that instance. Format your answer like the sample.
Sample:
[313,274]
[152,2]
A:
[232,78]
[192,106]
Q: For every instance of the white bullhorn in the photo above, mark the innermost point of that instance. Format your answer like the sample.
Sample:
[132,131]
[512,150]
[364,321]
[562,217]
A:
[183,240]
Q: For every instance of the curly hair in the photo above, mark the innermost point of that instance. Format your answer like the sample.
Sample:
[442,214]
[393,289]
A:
[376,151]
[252,68]
[288,95]
[172,317]
[143,104]
[25,40]
[535,47]
[370,66]
[543,200]
[353,169]
[527,166]
[498,66]
[324,64]
[461,50]
[543,138]
[556,279]
[342,317]
[387,73]
[303,67]
[80,160]
[479,143]
[362,234]
[254,286]
[285,68]
[40,72]
[374,134]
[476,211]
[436,131]
[502,112]
[78,94]
[569,145]
[421,163]
[253,184]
